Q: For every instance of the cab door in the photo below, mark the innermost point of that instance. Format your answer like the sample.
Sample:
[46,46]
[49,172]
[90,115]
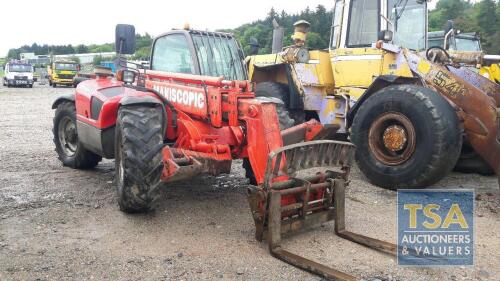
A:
[355,27]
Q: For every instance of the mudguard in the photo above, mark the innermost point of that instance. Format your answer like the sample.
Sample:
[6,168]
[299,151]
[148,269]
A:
[380,82]
[139,100]
[63,98]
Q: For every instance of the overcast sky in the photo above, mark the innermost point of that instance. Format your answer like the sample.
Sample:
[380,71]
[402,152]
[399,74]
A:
[92,21]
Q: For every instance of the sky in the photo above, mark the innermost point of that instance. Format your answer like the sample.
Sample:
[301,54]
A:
[73,22]
[62,22]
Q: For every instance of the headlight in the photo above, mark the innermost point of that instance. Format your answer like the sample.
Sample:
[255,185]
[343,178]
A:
[126,76]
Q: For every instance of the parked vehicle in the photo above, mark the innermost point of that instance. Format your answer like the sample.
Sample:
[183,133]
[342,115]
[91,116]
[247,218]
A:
[17,73]
[193,113]
[62,72]
[467,45]
[407,108]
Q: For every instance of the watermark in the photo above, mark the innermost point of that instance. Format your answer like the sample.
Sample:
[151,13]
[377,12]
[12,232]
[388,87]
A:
[436,228]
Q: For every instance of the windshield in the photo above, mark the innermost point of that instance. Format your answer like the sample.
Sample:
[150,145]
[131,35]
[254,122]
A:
[410,23]
[465,44]
[438,42]
[20,68]
[218,56]
[65,66]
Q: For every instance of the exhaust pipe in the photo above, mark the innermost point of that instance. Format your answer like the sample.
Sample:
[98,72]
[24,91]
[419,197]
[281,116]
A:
[278,34]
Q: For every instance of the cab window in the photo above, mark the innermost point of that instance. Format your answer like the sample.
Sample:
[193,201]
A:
[337,23]
[364,23]
[172,54]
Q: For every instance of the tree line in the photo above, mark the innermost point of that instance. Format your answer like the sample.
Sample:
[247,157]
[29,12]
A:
[143,44]
[482,17]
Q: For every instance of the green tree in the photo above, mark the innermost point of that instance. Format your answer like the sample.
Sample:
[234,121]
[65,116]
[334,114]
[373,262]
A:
[486,19]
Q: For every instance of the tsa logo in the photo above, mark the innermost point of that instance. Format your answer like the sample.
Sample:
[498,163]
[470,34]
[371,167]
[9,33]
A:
[435,228]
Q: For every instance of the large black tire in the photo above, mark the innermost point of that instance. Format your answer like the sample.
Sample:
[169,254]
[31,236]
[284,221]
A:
[274,90]
[287,117]
[138,159]
[428,152]
[470,162]
[69,149]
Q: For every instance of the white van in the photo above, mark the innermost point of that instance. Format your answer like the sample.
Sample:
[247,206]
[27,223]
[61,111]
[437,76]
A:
[18,74]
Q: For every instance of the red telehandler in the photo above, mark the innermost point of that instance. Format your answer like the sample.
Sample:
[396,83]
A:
[194,111]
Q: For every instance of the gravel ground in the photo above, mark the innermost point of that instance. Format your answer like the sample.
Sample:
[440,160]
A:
[62,224]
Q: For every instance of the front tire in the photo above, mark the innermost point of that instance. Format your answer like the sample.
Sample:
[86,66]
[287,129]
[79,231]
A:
[406,137]
[70,150]
[138,159]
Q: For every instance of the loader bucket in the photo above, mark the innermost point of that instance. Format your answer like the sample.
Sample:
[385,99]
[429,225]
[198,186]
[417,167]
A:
[287,206]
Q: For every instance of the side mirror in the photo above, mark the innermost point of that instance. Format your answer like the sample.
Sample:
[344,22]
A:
[125,39]
[385,35]
[254,46]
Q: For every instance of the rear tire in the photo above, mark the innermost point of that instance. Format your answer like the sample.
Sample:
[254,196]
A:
[138,158]
[54,85]
[416,137]
[70,151]
[278,91]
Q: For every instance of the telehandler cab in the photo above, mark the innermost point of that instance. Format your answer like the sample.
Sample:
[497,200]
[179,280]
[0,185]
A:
[192,113]
[408,108]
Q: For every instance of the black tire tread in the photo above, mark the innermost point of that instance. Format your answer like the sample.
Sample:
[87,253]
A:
[444,154]
[141,130]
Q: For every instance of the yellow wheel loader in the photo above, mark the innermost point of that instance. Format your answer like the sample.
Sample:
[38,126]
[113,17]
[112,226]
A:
[409,109]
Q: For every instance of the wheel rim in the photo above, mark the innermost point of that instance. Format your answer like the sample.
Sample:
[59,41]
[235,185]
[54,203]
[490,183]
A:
[68,136]
[392,138]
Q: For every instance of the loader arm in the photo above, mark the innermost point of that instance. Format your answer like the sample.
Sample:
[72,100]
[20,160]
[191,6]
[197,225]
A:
[476,98]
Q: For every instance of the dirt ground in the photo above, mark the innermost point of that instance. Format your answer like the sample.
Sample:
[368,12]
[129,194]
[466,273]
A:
[57,223]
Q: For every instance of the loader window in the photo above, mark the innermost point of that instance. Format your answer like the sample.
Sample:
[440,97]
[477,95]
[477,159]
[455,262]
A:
[364,23]
[172,54]
[411,26]
[337,23]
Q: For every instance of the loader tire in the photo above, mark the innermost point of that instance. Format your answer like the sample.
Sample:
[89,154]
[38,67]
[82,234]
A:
[70,150]
[138,159]
[470,162]
[406,137]
[288,118]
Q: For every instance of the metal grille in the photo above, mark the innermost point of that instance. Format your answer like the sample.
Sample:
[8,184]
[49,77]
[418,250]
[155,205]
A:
[302,156]
[65,76]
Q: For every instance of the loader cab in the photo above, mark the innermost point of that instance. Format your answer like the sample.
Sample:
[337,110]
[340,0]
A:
[360,23]
[195,52]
